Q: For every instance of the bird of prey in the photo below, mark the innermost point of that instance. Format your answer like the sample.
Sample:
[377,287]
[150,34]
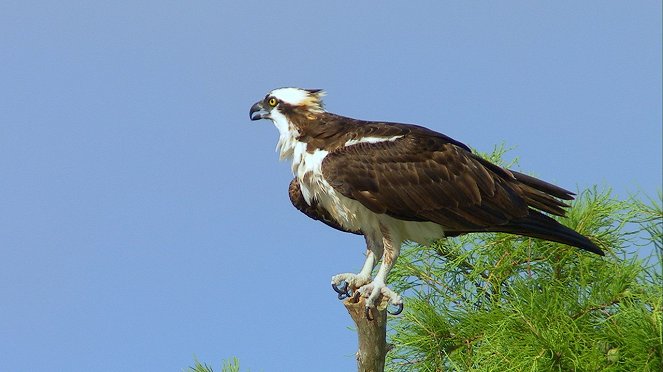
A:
[393,182]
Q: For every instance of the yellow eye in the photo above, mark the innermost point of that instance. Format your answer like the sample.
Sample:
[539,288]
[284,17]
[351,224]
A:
[272,102]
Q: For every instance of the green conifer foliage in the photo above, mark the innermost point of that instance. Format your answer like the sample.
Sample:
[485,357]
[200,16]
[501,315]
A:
[498,302]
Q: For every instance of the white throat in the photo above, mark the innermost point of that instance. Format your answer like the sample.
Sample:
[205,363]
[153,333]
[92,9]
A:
[303,162]
[287,135]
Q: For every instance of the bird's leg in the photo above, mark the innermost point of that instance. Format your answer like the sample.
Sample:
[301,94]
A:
[346,283]
[378,287]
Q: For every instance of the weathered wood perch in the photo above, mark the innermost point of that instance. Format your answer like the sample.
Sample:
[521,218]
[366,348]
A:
[372,334]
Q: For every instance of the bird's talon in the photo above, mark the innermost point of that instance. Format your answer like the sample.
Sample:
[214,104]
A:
[398,310]
[343,292]
[339,290]
[349,292]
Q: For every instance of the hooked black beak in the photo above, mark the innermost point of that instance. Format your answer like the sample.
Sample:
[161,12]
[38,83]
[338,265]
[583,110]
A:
[258,112]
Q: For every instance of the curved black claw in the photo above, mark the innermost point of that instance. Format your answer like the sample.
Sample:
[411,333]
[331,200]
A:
[343,291]
[369,317]
[398,310]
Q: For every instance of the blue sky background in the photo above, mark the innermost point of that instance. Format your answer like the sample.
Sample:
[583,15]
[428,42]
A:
[145,219]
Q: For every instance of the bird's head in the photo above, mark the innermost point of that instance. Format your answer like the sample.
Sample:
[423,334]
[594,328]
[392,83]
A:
[291,110]
[287,101]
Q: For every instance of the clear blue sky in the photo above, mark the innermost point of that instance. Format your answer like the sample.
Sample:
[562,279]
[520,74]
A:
[145,219]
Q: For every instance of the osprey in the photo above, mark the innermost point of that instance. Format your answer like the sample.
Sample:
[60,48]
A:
[393,182]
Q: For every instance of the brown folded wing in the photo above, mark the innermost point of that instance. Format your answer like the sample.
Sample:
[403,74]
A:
[428,178]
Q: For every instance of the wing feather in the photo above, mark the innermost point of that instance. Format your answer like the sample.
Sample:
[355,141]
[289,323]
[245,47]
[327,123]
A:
[426,178]
[314,211]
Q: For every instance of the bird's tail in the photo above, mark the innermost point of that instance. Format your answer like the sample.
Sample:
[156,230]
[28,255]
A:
[538,225]
[543,195]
